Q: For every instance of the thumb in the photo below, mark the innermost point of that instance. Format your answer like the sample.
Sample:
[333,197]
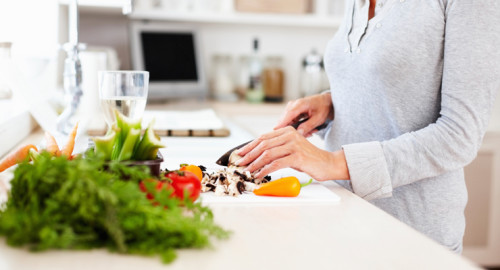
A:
[287,119]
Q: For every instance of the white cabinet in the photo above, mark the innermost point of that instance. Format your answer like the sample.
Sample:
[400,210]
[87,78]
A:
[229,33]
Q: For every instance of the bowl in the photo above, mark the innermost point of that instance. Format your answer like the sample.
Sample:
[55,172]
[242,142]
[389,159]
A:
[153,165]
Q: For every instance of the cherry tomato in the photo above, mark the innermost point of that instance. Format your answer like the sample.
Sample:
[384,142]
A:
[184,181]
[192,168]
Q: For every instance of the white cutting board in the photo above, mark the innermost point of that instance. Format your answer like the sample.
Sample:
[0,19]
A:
[314,193]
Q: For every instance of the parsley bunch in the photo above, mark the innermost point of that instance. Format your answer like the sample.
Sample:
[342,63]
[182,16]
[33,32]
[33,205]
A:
[56,203]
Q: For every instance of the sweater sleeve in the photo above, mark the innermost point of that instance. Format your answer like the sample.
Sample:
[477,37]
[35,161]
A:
[471,78]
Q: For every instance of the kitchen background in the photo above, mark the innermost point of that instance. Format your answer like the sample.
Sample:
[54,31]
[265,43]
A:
[291,38]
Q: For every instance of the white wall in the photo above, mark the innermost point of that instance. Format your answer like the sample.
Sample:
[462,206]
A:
[32,26]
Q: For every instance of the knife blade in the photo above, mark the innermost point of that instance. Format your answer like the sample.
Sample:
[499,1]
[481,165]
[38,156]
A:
[224,159]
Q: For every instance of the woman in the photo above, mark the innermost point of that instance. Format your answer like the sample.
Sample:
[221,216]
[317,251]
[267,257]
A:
[412,87]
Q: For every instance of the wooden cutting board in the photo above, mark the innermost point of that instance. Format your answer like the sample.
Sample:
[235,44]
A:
[197,123]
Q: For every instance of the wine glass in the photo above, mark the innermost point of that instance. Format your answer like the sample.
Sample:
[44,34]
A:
[125,91]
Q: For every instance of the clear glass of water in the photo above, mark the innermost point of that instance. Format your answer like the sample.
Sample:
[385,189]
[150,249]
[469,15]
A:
[125,91]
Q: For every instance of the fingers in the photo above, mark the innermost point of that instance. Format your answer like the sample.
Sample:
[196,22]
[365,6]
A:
[309,127]
[269,155]
[261,150]
[249,147]
[275,165]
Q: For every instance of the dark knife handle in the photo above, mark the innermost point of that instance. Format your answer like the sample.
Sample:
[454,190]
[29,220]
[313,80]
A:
[304,119]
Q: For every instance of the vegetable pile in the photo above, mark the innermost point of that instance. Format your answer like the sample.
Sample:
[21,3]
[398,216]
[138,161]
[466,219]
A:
[56,203]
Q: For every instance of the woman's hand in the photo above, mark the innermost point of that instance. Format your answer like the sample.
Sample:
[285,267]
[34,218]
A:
[286,148]
[317,108]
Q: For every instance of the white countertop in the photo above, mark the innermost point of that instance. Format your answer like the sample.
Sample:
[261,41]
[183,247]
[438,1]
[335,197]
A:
[352,234]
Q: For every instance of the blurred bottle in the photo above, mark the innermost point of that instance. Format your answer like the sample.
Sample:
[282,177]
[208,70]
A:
[273,79]
[242,79]
[255,93]
[222,79]
[6,67]
[312,79]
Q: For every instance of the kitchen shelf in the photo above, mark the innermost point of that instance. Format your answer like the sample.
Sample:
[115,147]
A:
[309,20]
[98,6]
[97,3]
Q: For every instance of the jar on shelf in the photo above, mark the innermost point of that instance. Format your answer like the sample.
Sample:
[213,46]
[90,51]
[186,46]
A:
[273,79]
[222,78]
[242,76]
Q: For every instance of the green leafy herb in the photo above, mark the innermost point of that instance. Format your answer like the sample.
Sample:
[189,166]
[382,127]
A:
[59,204]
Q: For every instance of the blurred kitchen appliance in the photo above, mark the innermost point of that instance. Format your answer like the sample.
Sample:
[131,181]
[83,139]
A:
[274,6]
[273,79]
[313,79]
[171,54]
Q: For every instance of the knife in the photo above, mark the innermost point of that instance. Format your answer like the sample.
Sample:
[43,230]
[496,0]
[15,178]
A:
[224,159]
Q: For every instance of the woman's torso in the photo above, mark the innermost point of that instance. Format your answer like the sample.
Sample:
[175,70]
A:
[385,76]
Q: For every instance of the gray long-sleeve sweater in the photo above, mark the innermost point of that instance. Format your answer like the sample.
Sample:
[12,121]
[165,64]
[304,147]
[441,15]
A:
[412,91]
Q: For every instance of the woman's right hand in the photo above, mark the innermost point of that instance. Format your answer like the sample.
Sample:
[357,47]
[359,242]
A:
[317,108]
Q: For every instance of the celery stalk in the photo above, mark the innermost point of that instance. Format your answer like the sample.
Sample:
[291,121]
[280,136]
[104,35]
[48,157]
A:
[104,146]
[147,148]
[123,141]
[33,154]
[124,124]
[129,144]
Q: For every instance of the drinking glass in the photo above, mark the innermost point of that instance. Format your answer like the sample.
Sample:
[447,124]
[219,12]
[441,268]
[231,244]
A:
[125,91]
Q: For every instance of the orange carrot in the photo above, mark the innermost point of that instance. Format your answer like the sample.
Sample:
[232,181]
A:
[52,146]
[21,154]
[70,145]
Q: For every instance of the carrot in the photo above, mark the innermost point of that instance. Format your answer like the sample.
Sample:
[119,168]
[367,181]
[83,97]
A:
[283,187]
[21,154]
[52,146]
[70,145]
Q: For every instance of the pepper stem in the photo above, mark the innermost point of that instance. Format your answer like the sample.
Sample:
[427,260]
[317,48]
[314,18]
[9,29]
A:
[306,184]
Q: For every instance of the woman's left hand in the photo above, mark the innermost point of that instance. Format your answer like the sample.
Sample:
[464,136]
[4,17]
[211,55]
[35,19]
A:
[286,148]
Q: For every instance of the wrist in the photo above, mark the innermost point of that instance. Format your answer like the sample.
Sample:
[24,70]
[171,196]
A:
[341,171]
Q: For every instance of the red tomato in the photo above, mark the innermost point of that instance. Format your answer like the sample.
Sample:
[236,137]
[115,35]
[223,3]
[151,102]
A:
[184,181]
